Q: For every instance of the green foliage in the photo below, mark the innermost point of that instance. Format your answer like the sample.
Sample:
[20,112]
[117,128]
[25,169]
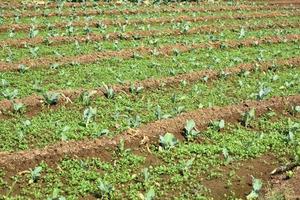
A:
[168,141]
[190,130]
[248,117]
[51,98]
[256,187]
[35,174]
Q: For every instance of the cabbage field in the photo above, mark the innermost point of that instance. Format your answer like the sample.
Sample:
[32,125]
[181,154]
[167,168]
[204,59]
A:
[150,100]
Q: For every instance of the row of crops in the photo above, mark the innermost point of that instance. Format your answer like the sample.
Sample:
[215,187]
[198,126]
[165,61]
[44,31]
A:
[112,100]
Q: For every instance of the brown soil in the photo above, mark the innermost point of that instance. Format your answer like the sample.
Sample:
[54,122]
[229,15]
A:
[242,181]
[95,23]
[35,103]
[21,43]
[44,4]
[103,146]
[164,9]
[142,51]
[288,187]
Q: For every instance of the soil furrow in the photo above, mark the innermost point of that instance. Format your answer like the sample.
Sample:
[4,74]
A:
[96,23]
[148,10]
[35,103]
[133,138]
[12,5]
[142,51]
[21,43]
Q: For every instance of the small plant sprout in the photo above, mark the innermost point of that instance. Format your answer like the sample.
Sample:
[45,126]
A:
[85,97]
[242,33]
[226,155]
[33,32]
[10,94]
[263,92]
[218,124]
[104,190]
[167,141]
[22,68]
[159,115]
[55,195]
[135,89]
[33,51]
[248,117]
[35,174]
[18,107]
[256,187]
[89,114]
[109,92]
[190,130]
[51,98]
[150,195]
[186,166]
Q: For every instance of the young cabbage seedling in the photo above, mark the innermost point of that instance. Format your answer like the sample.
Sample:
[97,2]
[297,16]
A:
[190,130]
[248,116]
[88,115]
[256,187]
[51,98]
[35,174]
[167,141]
[104,190]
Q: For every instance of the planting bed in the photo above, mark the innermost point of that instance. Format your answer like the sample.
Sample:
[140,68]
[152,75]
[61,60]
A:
[115,100]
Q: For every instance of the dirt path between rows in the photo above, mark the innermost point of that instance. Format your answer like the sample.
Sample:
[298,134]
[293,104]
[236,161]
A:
[34,103]
[149,10]
[143,51]
[163,20]
[59,40]
[147,133]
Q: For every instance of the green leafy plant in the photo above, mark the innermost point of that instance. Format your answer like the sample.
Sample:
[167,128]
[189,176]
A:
[159,115]
[218,124]
[35,174]
[109,92]
[150,195]
[18,107]
[10,94]
[33,32]
[256,187]
[88,115]
[135,89]
[263,92]
[85,97]
[51,98]
[55,195]
[190,130]
[168,141]
[104,190]
[248,117]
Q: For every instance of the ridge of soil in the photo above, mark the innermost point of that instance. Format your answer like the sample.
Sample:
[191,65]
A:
[96,23]
[35,103]
[143,51]
[59,40]
[149,10]
[134,138]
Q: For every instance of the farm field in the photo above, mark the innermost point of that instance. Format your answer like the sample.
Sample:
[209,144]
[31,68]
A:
[150,100]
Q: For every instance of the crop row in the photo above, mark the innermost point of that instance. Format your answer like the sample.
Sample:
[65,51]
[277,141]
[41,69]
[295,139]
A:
[132,173]
[94,37]
[141,51]
[123,111]
[164,9]
[34,102]
[115,71]
[107,22]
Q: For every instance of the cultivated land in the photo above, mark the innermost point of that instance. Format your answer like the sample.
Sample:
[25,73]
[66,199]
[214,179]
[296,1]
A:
[118,100]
